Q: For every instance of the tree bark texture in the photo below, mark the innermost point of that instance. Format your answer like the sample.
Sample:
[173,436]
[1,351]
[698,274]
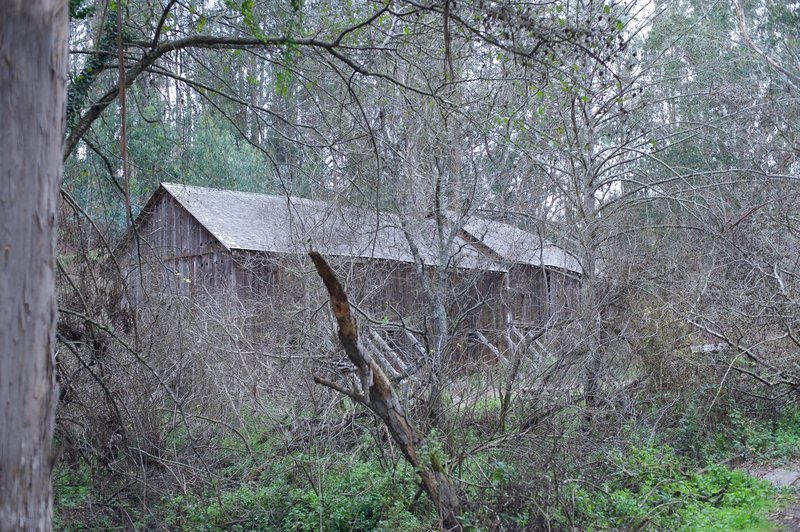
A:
[33,66]
[378,395]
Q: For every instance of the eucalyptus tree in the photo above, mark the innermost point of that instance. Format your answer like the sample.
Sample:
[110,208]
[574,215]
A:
[772,38]
[33,38]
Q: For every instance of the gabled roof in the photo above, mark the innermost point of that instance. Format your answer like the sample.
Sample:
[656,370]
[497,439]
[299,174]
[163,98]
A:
[260,222]
[518,246]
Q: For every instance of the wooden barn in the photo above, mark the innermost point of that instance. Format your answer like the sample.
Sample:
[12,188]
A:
[191,239]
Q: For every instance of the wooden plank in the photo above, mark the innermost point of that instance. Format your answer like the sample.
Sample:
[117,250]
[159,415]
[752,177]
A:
[392,357]
[378,356]
[491,347]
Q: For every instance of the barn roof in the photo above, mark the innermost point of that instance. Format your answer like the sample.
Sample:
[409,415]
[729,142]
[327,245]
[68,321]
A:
[518,246]
[260,222]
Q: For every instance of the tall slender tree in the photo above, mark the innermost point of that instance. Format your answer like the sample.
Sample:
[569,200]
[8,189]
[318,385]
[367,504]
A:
[33,38]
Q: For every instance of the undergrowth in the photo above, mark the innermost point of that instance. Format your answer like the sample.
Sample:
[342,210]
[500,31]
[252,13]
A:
[652,488]
[776,441]
[671,484]
[353,496]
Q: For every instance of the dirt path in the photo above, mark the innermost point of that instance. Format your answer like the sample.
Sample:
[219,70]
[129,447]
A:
[787,518]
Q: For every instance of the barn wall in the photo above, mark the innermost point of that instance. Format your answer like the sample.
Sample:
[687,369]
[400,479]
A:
[380,288]
[178,255]
[563,293]
[174,253]
[527,295]
[478,297]
[383,288]
[536,295]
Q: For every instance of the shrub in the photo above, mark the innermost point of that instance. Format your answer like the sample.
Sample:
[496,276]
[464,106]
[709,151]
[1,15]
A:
[653,488]
[358,496]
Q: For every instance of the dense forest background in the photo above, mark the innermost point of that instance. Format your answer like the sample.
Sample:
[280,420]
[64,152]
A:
[657,141]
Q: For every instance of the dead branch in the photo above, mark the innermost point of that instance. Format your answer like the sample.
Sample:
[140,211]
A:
[378,395]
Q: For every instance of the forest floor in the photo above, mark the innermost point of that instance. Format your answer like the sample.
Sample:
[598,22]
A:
[786,477]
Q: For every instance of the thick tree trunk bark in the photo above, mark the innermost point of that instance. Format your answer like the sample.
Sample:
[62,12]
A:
[33,66]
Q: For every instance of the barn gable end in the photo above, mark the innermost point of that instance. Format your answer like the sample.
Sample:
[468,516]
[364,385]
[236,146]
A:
[171,250]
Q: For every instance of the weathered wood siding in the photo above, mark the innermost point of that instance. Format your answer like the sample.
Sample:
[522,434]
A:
[478,299]
[536,295]
[563,294]
[173,252]
[382,289]
[385,289]
[527,295]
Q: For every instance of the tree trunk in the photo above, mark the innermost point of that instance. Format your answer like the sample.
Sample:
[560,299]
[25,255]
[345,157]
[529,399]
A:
[378,395]
[590,311]
[33,55]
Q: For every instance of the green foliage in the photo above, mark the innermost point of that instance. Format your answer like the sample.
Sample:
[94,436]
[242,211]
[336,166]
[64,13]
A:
[285,76]
[72,487]
[293,27]
[264,488]
[775,441]
[218,158]
[80,84]
[728,500]
[359,495]
[74,505]
[654,488]
[78,10]
[489,404]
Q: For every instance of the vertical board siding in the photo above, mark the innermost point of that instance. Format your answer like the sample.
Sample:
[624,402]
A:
[527,295]
[175,253]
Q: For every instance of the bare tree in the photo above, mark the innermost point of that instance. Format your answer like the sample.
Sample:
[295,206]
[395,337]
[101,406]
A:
[33,38]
